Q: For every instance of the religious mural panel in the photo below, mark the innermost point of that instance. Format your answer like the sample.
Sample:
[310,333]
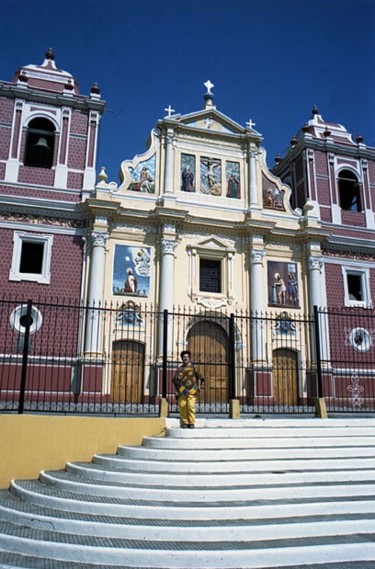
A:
[283,284]
[232,172]
[143,176]
[210,176]
[131,271]
[187,173]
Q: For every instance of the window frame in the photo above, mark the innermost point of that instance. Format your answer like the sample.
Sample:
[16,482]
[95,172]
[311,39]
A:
[364,275]
[20,237]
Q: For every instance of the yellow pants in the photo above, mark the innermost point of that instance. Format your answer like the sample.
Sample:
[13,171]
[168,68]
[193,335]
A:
[186,406]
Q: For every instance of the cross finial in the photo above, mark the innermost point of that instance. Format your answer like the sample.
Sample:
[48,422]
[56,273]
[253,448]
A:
[170,111]
[250,123]
[209,86]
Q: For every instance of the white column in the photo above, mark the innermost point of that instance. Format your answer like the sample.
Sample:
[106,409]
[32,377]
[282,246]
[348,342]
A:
[316,284]
[166,288]
[257,288]
[168,177]
[253,195]
[317,298]
[95,292]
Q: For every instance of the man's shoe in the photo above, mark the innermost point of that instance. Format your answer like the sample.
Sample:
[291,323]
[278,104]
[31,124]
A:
[191,426]
[184,426]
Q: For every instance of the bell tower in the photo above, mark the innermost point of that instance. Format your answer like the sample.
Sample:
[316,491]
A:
[48,148]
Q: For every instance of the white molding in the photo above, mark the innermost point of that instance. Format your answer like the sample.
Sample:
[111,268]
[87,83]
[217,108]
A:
[22,237]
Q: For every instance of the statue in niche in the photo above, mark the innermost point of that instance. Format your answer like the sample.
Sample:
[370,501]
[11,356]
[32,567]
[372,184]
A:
[187,173]
[210,177]
[233,180]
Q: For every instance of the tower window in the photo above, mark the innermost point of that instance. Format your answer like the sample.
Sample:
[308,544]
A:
[349,193]
[40,141]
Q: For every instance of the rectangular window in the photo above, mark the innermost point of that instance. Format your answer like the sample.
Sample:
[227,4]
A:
[31,257]
[210,276]
[356,287]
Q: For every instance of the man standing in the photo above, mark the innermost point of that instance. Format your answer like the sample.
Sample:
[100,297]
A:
[187,381]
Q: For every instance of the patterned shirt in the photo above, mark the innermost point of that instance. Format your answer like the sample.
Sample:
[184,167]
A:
[186,379]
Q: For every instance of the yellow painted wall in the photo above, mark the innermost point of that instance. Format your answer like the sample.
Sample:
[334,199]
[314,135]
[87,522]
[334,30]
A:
[29,443]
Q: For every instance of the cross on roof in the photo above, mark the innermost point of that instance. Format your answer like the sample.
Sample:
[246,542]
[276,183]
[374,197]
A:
[170,111]
[250,123]
[209,86]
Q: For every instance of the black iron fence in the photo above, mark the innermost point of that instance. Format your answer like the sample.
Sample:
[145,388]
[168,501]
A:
[121,359]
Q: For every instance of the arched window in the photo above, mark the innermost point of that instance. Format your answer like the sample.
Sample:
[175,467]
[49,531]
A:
[40,141]
[349,193]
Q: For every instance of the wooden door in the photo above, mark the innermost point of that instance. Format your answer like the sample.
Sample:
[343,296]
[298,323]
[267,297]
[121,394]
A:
[208,344]
[127,371]
[285,377]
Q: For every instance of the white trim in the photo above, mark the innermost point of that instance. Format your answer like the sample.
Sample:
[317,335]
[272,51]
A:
[364,274]
[44,277]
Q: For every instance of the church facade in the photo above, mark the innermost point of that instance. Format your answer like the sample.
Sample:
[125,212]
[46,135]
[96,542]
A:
[199,222]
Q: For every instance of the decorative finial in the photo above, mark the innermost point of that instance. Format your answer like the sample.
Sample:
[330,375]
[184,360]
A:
[50,54]
[102,176]
[315,110]
[170,111]
[209,86]
[250,124]
[278,159]
[327,133]
[293,141]
[359,138]
[95,89]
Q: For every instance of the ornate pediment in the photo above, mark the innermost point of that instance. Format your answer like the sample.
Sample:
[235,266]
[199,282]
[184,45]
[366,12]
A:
[212,243]
[211,120]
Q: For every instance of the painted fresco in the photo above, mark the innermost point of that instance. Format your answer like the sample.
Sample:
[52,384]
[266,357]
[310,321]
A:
[187,173]
[210,182]
[131,271]
[232,173]
[143,176]
[283,284]
[273,198]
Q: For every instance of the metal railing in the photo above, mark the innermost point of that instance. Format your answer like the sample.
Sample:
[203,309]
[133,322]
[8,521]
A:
[120,359]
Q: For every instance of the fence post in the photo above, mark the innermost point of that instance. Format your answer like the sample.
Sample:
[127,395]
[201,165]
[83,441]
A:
[163,411]
[320,405]
[25,356]
[234,409]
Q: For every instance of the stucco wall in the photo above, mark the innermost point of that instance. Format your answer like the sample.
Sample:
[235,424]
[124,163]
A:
[29,444]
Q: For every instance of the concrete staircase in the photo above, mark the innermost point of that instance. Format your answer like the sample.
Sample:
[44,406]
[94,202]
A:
[256,493]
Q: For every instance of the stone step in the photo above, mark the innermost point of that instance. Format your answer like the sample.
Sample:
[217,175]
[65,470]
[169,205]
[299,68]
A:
[319,464]
[268,432]
[52,497]
[200,442]
[213,479]
[14,560]
[230,454]
[236,496]
[222,554]
[289,423]
[36,517]
[65,481]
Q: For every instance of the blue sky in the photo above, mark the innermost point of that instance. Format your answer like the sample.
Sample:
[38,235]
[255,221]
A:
[270,60]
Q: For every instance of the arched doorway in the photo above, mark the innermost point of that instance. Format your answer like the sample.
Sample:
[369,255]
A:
[208,343]
[285,377]
[127,374]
